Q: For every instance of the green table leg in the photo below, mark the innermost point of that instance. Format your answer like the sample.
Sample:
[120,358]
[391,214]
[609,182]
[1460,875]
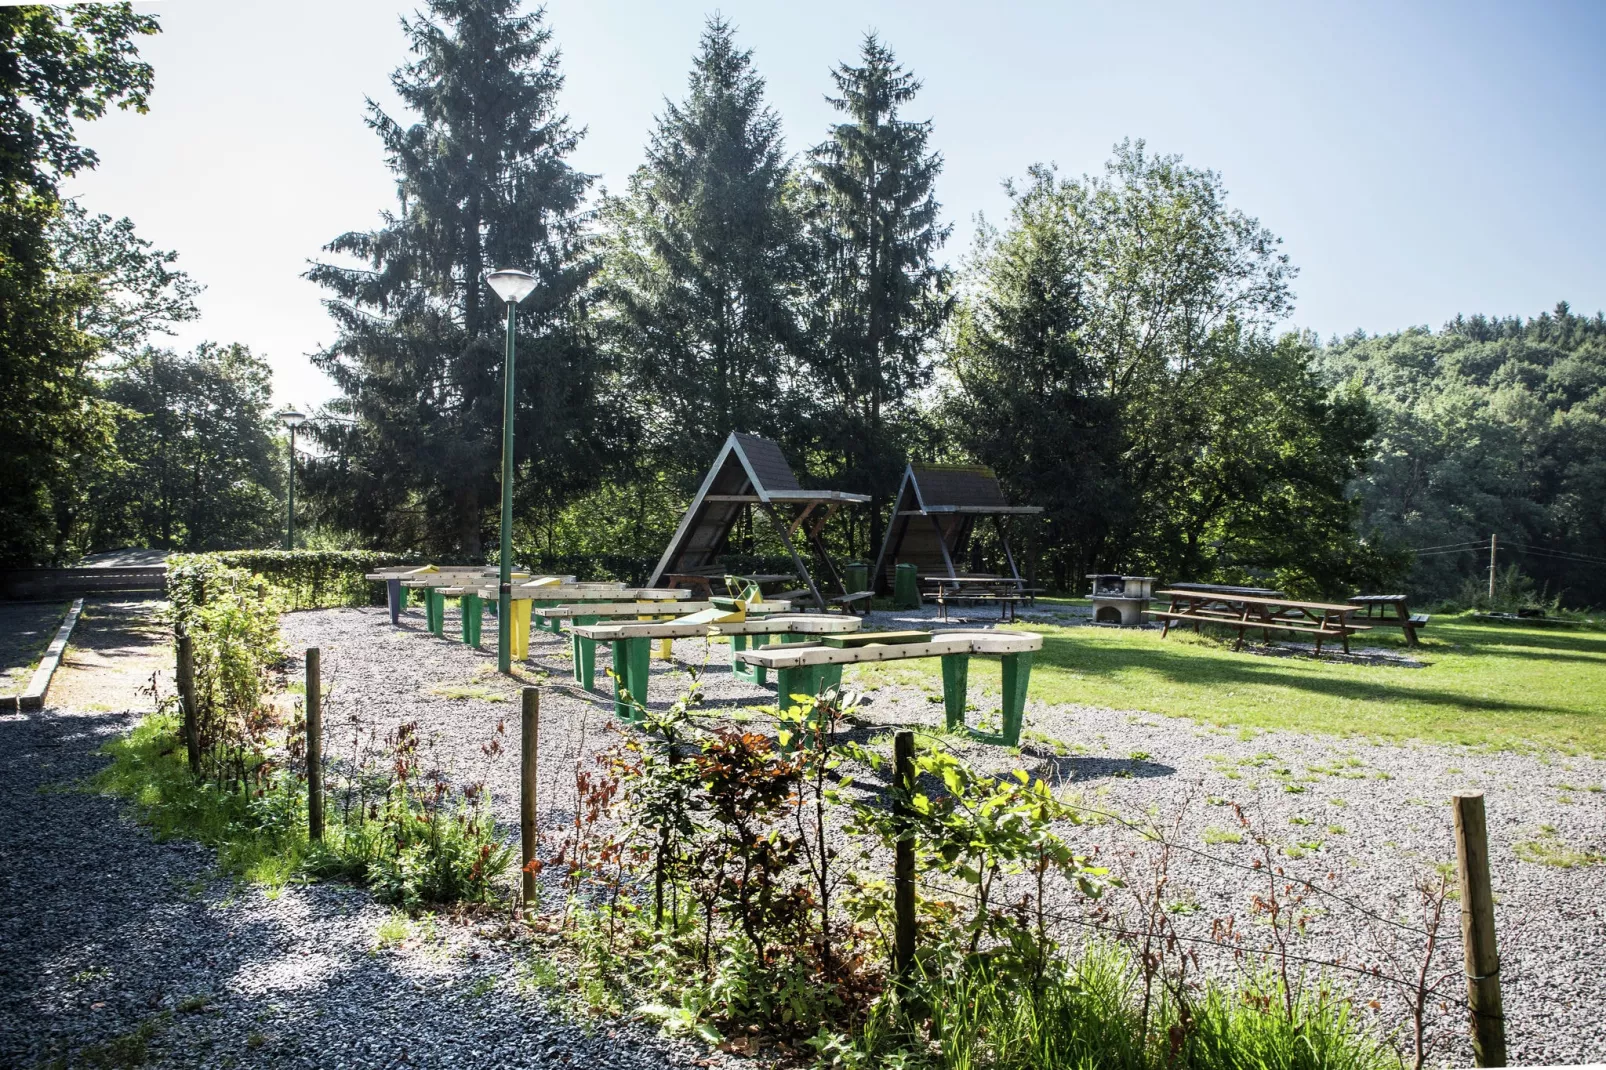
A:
[470,605]
[1017,675]
[585,653]
[631,669]
[955,679]
[795,681]
[437,602]
[551,624]
[756,674]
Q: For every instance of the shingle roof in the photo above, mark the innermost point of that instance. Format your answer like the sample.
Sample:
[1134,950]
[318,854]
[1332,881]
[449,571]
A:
[959,485]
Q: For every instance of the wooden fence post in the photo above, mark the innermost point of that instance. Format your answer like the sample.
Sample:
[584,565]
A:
[529,742]
[185,674]
[314,743]
[903,866]
[1477,930]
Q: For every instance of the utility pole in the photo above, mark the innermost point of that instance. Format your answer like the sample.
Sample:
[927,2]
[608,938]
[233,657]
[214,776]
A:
[1493,549]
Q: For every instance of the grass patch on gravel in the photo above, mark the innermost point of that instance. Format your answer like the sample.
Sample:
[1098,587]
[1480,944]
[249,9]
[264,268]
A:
[421,844]
[1549,849]
[1482,684]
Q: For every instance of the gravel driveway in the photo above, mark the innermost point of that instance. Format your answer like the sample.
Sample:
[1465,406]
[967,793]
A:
[1374,816]
[118,951]
[112,938]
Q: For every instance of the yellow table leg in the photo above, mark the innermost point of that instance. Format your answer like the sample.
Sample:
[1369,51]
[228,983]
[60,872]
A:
[521,629]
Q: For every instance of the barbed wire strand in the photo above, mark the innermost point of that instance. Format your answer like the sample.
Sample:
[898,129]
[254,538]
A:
[1119,931]
[1153,835]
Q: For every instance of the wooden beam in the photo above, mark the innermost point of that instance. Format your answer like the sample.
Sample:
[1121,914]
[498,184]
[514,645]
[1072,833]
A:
[797,561]
[801,516]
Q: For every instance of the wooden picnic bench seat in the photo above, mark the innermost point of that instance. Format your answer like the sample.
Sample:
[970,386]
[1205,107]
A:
[1248,612]
[584,650]
[433,581]
[632,644]
[1401,617]
[808,669]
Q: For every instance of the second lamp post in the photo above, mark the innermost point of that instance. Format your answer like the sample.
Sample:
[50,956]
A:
[512,287]
[292,419]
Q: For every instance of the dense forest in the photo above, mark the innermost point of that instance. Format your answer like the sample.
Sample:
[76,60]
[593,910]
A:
[1119,347]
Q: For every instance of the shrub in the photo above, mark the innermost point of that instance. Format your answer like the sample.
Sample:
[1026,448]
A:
[717,903]
[302,579]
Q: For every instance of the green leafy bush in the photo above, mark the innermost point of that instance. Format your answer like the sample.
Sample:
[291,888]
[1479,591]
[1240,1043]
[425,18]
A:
[706,892]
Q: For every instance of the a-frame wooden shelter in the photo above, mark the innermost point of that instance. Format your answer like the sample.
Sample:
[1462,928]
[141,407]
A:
[934,516]
[751,472]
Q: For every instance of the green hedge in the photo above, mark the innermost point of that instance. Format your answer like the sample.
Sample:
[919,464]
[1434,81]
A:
[316,579]
[302,579]
[632,568]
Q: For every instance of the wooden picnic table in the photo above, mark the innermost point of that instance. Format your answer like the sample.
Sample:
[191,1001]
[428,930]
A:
[1245,612]
[434,581]
[1401,617]
[1007,591]
[586,613]
[632,644]
[1227,588]
[807,669]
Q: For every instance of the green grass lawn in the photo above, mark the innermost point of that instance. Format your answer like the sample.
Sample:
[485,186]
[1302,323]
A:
[1484,684]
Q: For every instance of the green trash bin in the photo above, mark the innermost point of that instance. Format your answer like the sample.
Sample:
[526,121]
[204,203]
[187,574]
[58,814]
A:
[905,587]
[857,576]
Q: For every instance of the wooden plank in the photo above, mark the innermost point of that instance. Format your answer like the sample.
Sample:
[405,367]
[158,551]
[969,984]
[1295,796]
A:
[639,609]
[797,655]
[796,624]
[1205,596]
[866,638]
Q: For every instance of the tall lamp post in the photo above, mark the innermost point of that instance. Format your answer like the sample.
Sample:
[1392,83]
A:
[292,419]
[512,287]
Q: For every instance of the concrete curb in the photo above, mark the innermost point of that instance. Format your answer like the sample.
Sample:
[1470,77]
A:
[34,697]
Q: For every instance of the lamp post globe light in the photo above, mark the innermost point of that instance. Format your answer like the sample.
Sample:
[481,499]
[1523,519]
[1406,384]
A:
[291,419]
[512,287]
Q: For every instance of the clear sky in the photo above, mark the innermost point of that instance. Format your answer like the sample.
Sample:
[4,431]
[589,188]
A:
[1419,160]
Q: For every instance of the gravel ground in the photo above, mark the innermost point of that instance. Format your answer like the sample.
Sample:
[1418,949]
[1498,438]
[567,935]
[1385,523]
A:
[119,951]
[1364,819]
[26,629]
[107,932]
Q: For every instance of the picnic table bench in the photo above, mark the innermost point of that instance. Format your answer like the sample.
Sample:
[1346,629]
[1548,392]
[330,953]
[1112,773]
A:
[1245,612]
[1401,617]
[585,650]
[529,597]
[429,580]
[631,643]
[1005,590]
[806,669]
[476,592]
[1227,588]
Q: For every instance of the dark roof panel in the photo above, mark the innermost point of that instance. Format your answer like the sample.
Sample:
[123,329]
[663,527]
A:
[971,485]
[768,462]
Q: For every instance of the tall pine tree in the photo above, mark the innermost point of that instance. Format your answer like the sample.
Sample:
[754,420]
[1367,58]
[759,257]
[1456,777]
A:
[483,183]
[880,297]
[702,268]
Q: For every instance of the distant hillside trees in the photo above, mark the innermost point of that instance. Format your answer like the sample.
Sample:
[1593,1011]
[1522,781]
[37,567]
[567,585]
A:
[1487,426]
[1113,358]
[199,463]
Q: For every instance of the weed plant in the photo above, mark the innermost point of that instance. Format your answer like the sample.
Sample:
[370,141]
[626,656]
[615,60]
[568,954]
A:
[395,822]
[707,892]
